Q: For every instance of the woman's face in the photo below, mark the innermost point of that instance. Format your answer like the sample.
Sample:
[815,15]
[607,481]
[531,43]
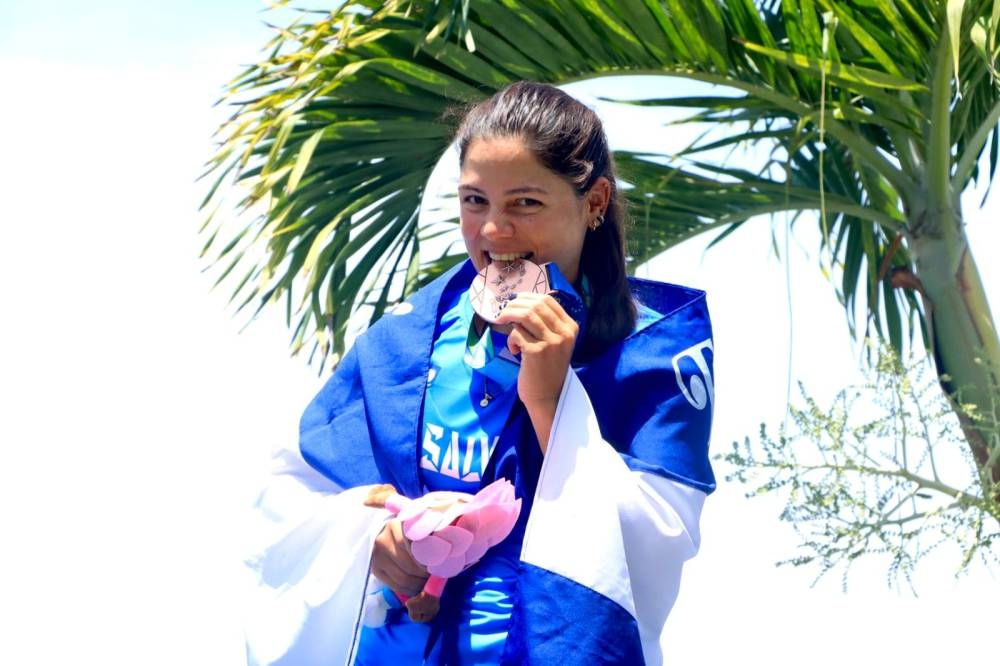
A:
[514,207]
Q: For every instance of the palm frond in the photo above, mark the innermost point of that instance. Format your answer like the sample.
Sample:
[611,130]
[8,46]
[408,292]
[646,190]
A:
[335,132]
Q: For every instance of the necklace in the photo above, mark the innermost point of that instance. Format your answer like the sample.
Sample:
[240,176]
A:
[487,396]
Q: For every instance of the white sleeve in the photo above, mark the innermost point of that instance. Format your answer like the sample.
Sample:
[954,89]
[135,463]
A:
[312,553]
[624,534]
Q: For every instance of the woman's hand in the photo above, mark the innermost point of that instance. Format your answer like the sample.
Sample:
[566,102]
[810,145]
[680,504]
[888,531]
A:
[393,563]
[544,335]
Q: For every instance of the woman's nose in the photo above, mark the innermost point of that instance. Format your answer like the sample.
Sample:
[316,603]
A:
[497,225]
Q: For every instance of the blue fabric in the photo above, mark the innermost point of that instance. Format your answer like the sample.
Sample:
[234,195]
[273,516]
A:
[635,393]
[647,392]
[565,623]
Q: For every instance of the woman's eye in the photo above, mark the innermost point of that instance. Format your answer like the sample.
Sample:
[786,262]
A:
[527,202]
[474,200]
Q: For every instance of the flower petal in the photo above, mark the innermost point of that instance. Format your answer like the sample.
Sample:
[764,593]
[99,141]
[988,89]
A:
[459,538]
[430,551]
[451,566]
[423,525]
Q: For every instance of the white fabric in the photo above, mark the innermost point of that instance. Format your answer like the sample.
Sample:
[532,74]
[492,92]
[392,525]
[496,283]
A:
[622,533]
[310,569]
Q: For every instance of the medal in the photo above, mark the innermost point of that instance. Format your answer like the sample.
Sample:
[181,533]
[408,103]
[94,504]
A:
[494,286]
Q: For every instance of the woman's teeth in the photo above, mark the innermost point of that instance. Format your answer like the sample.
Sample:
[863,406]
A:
[509,256]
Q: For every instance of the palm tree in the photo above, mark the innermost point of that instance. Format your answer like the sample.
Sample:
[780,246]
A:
[878,115]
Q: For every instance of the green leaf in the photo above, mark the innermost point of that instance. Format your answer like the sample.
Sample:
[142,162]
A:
[871,81]
[954,17]
[302,161]
[416,75]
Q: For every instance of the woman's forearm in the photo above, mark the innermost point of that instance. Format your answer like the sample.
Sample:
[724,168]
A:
[542,415]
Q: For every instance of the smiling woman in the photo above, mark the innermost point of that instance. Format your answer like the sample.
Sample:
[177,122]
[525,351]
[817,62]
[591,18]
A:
[520,135]
[579,394]
[513,207]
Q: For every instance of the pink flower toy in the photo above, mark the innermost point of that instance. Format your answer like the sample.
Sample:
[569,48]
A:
[450,532]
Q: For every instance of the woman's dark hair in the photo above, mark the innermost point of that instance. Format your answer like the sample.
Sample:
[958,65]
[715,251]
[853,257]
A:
[568,138]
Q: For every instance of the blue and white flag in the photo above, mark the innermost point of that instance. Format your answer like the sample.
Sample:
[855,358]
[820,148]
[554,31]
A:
[611,510]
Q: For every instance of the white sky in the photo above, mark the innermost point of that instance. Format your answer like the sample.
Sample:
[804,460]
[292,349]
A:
[136,421]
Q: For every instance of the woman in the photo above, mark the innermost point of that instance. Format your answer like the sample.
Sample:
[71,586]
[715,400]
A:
[601,424]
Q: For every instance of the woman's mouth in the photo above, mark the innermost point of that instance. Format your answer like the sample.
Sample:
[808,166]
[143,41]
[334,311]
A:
[507,256]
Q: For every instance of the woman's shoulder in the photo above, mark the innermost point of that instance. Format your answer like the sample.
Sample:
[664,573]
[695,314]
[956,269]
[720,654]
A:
[663,298]
[424,307]
[671,321]
[677,310]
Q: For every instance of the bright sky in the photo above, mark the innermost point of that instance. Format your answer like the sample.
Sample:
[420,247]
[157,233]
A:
[136,420]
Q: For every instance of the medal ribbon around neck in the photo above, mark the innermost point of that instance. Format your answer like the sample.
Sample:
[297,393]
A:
[493,367]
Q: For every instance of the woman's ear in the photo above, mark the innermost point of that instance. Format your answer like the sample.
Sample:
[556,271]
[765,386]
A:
[599,196]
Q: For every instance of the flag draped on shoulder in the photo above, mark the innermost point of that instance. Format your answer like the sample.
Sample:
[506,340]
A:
[610,512]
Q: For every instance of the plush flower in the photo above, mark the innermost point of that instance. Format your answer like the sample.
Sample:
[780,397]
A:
[450,532]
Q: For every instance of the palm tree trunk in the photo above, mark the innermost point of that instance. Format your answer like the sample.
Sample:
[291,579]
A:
[963,339]
[963,336]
